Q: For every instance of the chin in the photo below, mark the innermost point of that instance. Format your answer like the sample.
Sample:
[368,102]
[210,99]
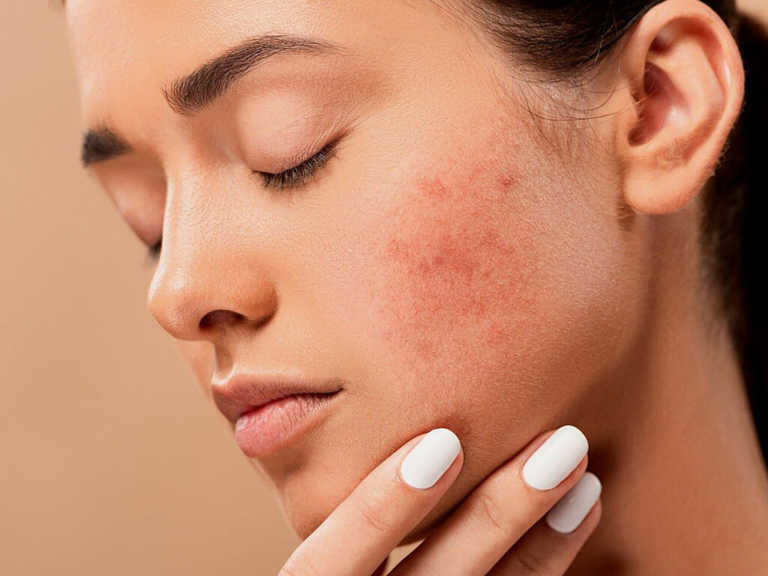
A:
[310,487]
[305,513]
[306,504]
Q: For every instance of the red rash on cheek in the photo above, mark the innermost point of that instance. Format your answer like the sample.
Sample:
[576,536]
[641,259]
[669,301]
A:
[456,262]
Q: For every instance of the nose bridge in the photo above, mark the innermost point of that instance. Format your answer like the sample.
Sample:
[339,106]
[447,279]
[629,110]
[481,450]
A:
[209,277]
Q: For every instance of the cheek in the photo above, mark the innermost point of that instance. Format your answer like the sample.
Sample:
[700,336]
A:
[458,266]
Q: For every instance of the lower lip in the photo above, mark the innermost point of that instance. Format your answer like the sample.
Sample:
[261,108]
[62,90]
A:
[272,426]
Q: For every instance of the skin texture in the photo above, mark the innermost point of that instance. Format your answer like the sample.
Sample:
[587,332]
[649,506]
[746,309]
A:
[455,263]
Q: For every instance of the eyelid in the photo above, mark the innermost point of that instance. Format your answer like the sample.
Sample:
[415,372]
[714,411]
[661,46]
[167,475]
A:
[320,158]
[306,152]
[298,174]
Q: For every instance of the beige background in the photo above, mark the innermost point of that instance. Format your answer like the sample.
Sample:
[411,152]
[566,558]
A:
[113,462]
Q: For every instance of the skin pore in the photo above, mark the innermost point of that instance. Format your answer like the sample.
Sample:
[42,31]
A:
[455,263]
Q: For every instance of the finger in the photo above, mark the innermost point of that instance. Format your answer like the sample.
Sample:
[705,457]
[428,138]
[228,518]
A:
[382,569]
[551,546]
[387,504]
[500,510]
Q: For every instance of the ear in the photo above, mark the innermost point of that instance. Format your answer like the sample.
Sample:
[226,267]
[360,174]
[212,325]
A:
[685,80]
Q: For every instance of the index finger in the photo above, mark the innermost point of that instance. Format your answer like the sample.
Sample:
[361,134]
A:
[387,504]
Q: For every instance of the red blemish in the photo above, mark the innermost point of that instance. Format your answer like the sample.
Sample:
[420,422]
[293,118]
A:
[505,180]
[453,261]
[433,187]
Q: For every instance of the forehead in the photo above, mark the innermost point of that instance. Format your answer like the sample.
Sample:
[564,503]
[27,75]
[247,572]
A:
[126,51]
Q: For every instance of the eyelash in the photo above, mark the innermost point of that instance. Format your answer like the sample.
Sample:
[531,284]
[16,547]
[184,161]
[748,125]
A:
[293,177]
[298,175]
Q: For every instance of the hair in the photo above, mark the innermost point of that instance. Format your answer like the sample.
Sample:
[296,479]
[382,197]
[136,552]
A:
[565,39]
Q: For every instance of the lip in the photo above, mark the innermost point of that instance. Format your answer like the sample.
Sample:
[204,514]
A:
[274,425]
[269,410]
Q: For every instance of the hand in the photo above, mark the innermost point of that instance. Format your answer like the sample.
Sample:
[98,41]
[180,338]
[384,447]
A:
[496,530]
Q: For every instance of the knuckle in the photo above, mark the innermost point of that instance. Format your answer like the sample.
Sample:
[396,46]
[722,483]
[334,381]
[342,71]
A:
[528,562]
[373,515]
[493,512]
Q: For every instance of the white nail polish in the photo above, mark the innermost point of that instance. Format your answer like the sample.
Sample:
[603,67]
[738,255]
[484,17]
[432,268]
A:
[572,508]
[430,458]
[556,458]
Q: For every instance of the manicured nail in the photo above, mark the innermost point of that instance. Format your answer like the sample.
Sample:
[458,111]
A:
[430,458]
[572,508]
[556,458]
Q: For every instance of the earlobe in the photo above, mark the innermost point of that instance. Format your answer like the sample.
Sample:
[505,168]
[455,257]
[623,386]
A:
[686,87]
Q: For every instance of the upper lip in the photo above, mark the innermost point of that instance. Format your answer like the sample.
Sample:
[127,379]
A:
[243,391]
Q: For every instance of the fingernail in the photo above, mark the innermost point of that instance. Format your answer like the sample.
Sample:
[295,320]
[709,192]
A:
[572,508]
[556,458]
[430,458]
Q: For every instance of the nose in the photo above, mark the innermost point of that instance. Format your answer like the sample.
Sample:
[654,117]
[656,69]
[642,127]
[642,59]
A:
[211,279]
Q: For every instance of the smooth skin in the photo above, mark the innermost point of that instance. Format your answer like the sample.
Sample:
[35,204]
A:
[462,261]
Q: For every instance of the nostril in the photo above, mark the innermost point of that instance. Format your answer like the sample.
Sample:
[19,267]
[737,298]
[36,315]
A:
[220,317]
[230,318]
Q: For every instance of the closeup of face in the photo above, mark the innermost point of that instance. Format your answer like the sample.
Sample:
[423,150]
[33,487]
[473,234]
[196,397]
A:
[443,261]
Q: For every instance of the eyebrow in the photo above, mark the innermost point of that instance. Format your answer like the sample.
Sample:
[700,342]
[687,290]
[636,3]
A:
[210,81]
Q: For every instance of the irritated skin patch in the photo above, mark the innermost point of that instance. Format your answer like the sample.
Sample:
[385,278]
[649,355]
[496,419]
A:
[456,256]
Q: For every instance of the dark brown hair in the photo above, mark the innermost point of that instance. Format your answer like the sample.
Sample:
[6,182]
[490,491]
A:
[565,39]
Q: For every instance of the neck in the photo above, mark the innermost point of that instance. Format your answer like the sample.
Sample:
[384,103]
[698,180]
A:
[685,489]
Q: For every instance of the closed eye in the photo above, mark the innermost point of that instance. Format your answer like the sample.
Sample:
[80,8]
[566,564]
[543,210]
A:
[298,175]
[291,178]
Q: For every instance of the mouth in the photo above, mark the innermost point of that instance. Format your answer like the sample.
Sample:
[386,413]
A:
[272,426]
[271,411]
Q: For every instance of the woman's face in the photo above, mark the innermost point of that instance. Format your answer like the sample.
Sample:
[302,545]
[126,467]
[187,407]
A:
[445,262]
